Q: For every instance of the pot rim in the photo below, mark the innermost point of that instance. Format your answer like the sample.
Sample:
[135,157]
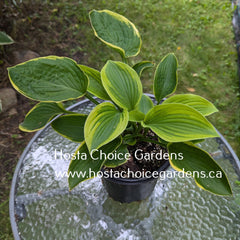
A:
[165,165]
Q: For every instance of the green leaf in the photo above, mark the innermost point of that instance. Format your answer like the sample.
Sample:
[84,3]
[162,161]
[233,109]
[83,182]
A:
[49,78]
[104,124]
[145,104]
[70,126]
[129,139]
[136,116]
[122,156]
[5,39]
[116,31]
[40,115]
[95,83]
[199,103]
[122,84]
[207,174]
[84,161]
[165,79]
[141,66]
[176,122]
[197,141]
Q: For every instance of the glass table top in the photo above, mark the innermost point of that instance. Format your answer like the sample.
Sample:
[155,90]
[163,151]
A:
[41,206]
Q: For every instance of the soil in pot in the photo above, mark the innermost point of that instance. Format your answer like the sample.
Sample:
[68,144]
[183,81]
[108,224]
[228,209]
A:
[137,182]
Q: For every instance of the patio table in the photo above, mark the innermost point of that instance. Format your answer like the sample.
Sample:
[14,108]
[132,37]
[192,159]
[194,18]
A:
[41,206]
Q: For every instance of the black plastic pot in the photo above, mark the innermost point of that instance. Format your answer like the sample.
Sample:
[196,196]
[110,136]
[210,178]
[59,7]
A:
[128,190]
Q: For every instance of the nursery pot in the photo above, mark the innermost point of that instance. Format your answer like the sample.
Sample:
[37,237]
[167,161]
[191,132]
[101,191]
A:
[126,190]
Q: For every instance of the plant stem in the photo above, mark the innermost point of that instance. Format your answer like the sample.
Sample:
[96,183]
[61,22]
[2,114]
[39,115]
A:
[139,128]
[145,132]
[91,98]
[125,60]
[120,109]
[134,127]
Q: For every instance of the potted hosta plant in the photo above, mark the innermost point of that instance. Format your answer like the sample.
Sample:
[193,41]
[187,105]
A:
[125,130]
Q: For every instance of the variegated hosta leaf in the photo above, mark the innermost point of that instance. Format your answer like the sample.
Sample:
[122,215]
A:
[84,161]
[49,78]
[176,122]
[142,108]
[70,126]
[165,79]
[121,153]
[141,66]
[199,103]
[145,104]
[40,115]
[95,83]
[122,84]
[136,116]
[104,124]
[116,31]
[207,173]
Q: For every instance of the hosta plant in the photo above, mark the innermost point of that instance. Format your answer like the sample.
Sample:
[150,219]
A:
[126,115]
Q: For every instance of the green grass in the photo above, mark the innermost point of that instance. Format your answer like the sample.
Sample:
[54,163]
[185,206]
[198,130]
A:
[198,32]
[5,228]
